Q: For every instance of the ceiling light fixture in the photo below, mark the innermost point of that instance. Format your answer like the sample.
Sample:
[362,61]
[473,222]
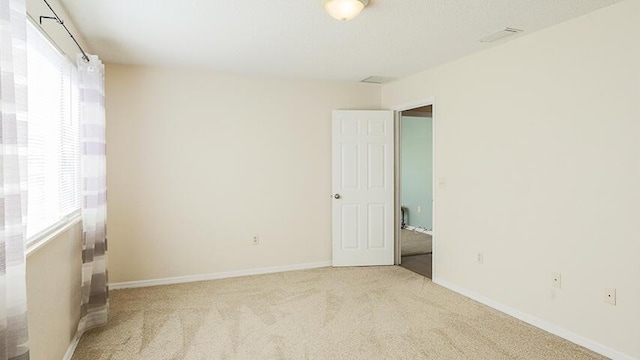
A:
[344,10]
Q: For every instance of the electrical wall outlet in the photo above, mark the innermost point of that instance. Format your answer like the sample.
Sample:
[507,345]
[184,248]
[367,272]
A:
[419,209]
[256,240]
[556,280]
[480,258]
[610,296]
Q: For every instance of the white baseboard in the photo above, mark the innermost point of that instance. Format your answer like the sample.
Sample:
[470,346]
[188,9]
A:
[537,322]
[216,276]
[72,348]
[419,229]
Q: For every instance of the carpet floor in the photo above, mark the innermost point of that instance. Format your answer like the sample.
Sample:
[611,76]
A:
[420,264]
[331,313]
[415,243]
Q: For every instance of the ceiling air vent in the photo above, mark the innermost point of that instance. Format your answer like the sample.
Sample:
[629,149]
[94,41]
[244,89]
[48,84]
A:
[377,80]
[500,35]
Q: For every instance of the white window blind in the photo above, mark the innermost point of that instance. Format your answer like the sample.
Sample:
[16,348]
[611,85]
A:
[53,135]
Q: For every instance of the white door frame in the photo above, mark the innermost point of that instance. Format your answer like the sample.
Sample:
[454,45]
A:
[398,212]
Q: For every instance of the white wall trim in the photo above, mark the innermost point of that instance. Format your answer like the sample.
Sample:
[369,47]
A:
[537,322]
[431,100]
[415,104]
[216,276]
[72,348]
[46,236]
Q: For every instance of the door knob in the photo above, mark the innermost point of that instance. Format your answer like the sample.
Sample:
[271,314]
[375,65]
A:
[337,196]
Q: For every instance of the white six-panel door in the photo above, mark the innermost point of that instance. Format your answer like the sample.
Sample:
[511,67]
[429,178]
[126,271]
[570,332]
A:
[363,189]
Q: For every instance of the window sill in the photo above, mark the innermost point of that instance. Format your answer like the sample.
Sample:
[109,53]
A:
[40,240]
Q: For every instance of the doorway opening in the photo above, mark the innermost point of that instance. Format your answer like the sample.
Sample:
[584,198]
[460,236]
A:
[415,189]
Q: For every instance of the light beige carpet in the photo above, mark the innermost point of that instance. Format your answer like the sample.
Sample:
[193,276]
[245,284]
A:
[415,243]
[342,313]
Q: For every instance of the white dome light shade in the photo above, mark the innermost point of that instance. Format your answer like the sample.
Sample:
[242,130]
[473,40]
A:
[344,10]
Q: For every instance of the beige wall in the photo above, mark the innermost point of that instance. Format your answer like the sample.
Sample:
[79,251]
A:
[199,162]
[538,141]
[53,294]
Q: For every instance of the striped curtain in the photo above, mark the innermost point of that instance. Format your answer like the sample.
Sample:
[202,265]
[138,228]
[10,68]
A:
[95,299]
[13,180]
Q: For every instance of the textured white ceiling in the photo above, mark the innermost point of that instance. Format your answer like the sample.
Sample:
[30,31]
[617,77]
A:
[391,38]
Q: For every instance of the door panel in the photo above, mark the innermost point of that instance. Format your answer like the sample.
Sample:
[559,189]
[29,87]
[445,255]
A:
[363,178]
[376,172]
[349,166]
[376,226]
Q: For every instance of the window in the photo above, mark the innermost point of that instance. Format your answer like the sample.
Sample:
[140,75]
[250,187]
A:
[53,162]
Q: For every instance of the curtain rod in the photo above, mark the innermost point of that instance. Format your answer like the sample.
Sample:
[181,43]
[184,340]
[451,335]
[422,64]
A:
[61,22]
